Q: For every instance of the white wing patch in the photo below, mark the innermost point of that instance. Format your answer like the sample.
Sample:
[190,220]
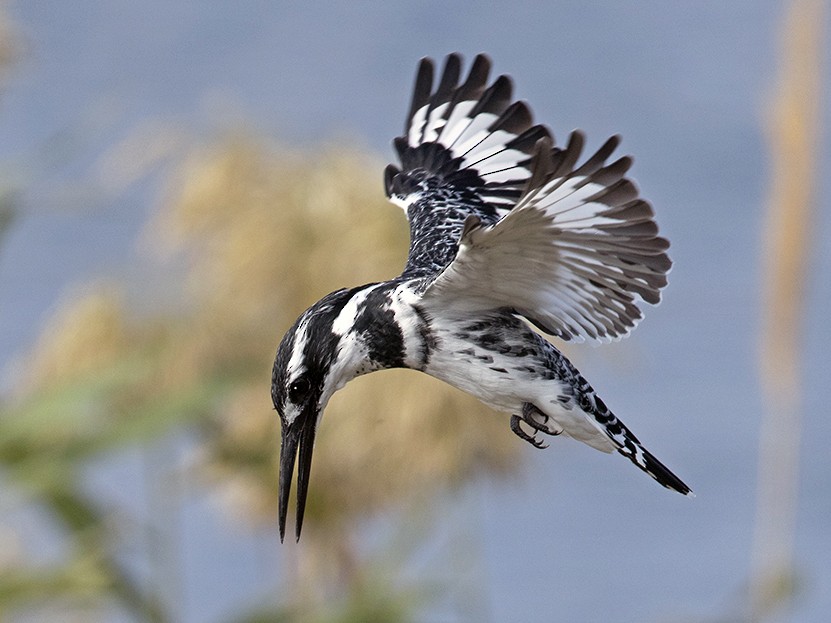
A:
[405,202]
[417,126]
[473,133]
[435,124]
[456,123]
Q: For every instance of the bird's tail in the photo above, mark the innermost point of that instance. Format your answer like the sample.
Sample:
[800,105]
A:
[629,446]
[644,459]
[468,132]
[625,442]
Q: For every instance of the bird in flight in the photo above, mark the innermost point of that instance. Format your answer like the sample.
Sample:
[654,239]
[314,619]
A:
[507,231]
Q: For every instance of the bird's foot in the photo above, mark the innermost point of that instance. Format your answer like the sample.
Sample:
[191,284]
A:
[537,420]
[516,427]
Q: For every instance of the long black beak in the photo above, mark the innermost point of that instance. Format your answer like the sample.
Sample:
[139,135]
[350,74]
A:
[300,433]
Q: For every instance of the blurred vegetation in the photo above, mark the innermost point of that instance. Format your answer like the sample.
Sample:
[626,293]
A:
[247,235]
[9,52]
[259,233]
[10,45]
[793,128]
[7,212]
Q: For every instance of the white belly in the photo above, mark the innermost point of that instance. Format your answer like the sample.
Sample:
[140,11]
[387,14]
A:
[484,380]
[505,381]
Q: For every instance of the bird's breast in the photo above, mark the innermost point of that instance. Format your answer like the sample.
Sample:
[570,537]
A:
[495,358]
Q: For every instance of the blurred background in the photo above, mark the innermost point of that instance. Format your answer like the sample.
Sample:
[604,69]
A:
[179,179]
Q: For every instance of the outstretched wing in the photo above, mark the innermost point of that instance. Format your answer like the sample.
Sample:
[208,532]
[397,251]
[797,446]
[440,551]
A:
[466,151]
[574,256]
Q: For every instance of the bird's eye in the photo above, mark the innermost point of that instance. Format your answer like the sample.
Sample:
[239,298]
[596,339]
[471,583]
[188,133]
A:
[299,389]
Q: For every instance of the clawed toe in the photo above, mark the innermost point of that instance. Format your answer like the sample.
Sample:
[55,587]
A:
[528,413]
[517,430]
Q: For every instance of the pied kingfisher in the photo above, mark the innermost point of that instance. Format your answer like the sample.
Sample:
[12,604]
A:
[506,230]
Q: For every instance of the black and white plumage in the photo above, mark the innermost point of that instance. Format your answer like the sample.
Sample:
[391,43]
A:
[506,229]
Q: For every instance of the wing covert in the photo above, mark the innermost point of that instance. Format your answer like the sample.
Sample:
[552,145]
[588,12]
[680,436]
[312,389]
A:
[575,256]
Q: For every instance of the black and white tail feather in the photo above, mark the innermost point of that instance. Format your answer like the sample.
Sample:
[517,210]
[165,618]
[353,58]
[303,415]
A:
[504,226]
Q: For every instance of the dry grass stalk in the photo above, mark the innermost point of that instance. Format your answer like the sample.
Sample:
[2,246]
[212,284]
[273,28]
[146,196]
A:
[793,128]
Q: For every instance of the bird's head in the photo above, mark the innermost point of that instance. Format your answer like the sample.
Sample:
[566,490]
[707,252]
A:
[314,360]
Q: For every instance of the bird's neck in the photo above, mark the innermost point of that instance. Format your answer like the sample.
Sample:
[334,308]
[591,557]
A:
[384,328]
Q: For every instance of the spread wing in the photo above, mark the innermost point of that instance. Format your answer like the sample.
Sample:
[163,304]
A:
[574,256]
[466,151]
